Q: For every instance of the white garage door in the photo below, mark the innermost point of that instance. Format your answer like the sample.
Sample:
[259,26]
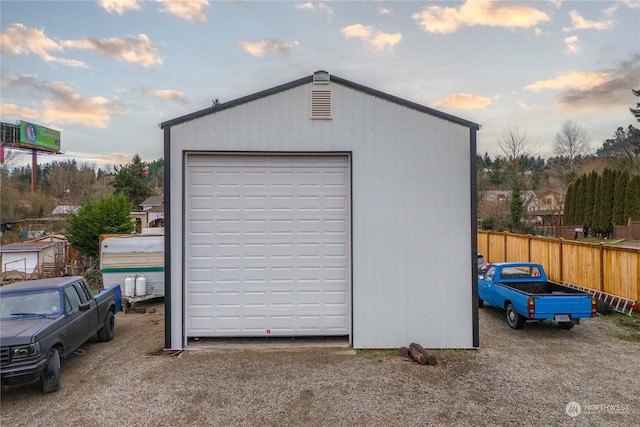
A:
[268,245]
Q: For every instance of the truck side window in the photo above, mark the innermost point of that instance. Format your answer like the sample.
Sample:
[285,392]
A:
[72,298]
[82,290]
[490,273]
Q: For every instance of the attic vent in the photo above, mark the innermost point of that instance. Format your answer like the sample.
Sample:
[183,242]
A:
[321,104]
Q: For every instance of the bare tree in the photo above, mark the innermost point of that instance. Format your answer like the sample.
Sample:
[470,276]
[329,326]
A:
[571,141]
[515,144]
[518,149]
[12,157]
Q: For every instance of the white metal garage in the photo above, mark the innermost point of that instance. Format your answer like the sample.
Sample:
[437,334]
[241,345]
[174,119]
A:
[321,207]
[268,245]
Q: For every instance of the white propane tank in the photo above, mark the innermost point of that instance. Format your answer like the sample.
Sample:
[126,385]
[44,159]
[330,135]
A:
[129,286]
[141,286]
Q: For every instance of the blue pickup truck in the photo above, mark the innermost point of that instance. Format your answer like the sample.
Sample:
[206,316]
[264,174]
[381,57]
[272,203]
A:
[524,292]
[44,320]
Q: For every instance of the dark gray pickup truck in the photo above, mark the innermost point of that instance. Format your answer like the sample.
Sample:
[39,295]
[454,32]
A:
[44,320]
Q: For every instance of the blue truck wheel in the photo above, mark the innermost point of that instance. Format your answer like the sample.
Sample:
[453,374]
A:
[514,320]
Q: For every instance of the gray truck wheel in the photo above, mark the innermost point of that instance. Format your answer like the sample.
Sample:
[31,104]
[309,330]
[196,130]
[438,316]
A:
[50,379]
[565,325]
[514,320]
[108,330]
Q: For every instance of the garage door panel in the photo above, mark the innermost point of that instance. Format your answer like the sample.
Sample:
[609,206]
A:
[204,275]
[272,252]
[201,203]
[273,325]
[203,227]
[202,178]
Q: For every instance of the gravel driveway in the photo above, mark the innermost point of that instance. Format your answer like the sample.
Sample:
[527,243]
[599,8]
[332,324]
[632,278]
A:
[520,377]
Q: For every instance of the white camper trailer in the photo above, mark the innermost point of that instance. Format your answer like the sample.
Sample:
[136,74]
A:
[136,263]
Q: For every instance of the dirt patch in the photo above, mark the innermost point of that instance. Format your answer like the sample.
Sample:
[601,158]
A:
[521,377]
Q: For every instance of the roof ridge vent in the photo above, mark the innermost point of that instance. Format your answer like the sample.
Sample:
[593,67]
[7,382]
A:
[321,78]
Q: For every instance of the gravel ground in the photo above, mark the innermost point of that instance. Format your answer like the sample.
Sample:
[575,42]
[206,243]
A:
[521,377]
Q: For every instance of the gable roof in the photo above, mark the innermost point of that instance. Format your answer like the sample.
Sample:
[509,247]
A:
[26,246]
[562,193]
[309,79]
[153,201]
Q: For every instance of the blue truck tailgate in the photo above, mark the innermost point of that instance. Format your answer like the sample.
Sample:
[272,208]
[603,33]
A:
[548,306]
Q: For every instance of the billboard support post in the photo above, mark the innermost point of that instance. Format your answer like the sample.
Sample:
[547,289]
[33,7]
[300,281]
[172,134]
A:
[34,171]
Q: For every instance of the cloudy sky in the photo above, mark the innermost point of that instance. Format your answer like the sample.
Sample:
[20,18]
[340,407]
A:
[106,73]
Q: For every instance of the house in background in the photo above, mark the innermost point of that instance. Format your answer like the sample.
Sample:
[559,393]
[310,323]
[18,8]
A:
[549,208]
[151,216]
[152,202]
[65,210]
[531,203]
[307,209]
[496,195]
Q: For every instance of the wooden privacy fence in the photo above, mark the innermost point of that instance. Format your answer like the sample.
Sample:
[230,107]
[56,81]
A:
[601,267]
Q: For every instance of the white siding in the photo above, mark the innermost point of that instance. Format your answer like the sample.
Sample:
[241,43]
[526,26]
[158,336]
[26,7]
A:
[411,197]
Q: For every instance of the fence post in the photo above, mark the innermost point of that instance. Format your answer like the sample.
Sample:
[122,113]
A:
[602,267]
[529,237]
[560,252]
[487,246]
[506,258]
[638,286]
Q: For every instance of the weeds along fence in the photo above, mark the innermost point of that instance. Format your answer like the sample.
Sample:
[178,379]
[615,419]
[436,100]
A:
[600,267]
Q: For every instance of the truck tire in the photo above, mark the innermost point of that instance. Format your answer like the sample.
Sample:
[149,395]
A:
[565,325]
[514,320]
[108,330]
[50,379]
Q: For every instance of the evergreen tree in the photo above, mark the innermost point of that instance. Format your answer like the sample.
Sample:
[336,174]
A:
[632,199]
[516,209]
[597,202]
[109,215]
[130,180]
[589,200]
[607,189]
[497,175]
[619,198]
[569,206]
[579,203]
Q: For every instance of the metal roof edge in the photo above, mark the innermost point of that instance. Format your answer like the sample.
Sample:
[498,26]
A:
[404,102]
[236,102]
[26,246]
[309,79]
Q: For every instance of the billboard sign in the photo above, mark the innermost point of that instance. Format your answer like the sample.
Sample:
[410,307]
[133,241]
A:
[39,137]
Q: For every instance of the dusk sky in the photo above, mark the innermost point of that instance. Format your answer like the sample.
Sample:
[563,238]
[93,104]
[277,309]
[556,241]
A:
[106,73]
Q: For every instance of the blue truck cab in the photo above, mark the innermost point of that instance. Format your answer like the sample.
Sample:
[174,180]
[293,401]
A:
[524,292]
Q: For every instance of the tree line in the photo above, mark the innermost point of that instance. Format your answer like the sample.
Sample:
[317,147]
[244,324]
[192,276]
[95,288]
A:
[597,202]
[71,183]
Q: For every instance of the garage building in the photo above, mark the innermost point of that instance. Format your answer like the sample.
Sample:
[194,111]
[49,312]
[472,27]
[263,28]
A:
[321,207]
